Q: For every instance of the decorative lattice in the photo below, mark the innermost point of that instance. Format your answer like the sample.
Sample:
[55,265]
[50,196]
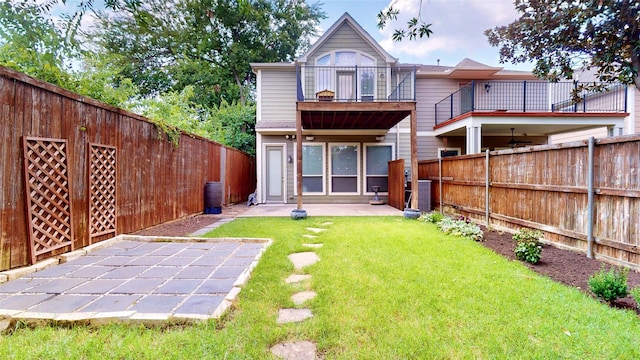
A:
[102,190]
[47,184]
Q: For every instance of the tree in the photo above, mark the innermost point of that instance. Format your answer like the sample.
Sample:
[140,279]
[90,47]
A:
[562,36]
[416,27]
[209,44]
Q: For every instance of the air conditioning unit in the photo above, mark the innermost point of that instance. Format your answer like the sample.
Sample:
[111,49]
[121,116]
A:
[424,195]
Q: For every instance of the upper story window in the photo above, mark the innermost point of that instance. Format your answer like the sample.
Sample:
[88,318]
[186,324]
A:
[347,73]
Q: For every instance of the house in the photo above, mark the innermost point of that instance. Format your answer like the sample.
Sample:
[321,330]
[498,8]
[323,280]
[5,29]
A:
[328,123]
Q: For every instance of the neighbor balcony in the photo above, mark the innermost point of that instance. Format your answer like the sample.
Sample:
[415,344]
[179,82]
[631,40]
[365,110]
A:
[530,96]
[356,83]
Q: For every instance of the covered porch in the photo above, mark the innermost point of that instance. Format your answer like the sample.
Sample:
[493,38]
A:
[349,120]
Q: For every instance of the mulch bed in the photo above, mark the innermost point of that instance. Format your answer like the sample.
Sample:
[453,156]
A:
[565,266]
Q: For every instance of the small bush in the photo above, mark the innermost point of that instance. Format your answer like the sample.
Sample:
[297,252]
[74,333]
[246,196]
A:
[609,285]
[635,293]
[528,246]
[432,217]
[462,228]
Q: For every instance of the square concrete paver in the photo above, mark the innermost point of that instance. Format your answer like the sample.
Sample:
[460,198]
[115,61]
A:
[23,302]
[90,272]
[57,286]
[99,286]
[195,272]
[157,304]
[162,272]
[138,286]
[19,285]
[112,303]
[179,286]
[217,286]
[225,272]
[200,304]
[64,303]
[125,272]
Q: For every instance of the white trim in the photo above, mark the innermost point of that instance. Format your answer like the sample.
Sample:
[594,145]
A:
[364,164]
[324,170]
[283,146]
[260,167]
[358,168]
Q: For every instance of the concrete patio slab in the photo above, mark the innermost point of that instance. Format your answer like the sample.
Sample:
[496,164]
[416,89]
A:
[322,210]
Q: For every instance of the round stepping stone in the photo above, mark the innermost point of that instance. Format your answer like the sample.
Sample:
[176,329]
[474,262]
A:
[316,246]
[326,223]
[295,278]
[299,350]
[303,259]
[293,315]
[308,236]
[315,230]
[301,297]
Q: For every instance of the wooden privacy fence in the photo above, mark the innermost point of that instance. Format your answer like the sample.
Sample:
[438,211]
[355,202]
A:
[396,184]
[75,171]
[582,195]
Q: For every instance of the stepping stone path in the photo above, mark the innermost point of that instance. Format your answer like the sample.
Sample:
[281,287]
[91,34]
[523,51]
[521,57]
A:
[300,350]
[301,297]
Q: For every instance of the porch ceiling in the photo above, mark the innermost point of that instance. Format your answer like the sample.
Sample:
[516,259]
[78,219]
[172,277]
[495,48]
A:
[348,115]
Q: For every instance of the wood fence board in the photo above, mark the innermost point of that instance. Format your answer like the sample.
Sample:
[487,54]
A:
[7,116]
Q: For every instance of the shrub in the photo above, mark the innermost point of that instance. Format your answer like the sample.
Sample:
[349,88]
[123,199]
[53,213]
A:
[528,246]
[635,293]
[432,217]
[609,285]
[462,228]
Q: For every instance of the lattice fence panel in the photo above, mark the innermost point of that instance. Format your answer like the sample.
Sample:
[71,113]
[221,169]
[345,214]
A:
[47,184]
[102,190]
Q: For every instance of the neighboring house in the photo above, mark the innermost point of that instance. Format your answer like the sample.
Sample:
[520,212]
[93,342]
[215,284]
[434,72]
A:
[351,107]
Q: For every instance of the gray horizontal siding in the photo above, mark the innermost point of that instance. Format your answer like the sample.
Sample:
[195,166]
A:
[428,93]
[278,95]
[345,37]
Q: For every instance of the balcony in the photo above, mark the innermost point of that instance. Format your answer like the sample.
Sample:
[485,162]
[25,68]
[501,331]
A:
[530,96]
[356,83]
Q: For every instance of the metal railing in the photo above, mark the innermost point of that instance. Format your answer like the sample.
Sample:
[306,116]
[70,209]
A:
[356,83]
[530,96]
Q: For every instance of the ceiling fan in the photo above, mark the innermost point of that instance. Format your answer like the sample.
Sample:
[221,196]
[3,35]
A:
[514,143]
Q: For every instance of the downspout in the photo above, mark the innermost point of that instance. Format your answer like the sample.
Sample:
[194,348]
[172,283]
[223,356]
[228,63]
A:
[486,190]
[440,182]
[590,191]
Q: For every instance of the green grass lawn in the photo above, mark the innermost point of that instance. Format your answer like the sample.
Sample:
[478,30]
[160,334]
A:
[388,288]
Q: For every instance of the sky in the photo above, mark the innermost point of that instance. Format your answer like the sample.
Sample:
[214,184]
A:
[458,28]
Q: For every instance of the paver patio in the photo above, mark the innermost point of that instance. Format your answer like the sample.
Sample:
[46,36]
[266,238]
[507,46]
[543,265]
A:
[137,278]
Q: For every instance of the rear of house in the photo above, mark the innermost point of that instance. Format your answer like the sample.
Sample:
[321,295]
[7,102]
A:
[354,108]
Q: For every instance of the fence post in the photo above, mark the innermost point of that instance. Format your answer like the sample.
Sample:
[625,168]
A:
[440,181]
[486,193]
[590,191]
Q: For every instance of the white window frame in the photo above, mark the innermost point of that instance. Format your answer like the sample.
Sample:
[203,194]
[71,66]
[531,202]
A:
[358,168]
[324,169]
[364,165]
[440,149]
[358,77]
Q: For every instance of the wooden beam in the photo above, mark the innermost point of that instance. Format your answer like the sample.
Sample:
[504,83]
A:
[414,159]
[299,156]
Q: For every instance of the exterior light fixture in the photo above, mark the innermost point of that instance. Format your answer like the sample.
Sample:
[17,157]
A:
[487,87]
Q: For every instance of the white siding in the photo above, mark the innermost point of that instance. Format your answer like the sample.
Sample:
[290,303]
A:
[278,95]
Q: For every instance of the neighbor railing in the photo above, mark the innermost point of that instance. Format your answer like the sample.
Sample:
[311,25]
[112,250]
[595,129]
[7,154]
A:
[356,83]
[530,96]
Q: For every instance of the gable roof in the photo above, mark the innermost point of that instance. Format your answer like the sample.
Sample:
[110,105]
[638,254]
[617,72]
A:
[346,18]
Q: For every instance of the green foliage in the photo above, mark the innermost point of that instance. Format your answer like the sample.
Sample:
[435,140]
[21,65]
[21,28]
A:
[461,227]
[416,28]
[234,125]
[528,246]
[635,293]
[609,285]
[432,217]
[561,36]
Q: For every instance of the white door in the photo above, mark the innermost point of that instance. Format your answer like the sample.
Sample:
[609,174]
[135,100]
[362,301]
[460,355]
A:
[275,174]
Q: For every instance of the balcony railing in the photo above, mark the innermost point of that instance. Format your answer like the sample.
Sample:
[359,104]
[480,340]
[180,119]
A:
[530,96]
[356,83]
